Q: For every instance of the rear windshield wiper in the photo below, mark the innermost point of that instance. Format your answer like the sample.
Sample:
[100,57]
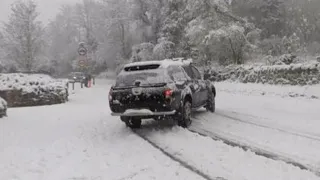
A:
[145,85]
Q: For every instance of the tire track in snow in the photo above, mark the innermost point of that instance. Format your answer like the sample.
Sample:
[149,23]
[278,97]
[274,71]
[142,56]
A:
[307,136]
[256,150]
[176,159]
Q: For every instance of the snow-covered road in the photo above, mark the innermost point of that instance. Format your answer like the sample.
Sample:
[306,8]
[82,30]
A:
[288,127]
[80,140]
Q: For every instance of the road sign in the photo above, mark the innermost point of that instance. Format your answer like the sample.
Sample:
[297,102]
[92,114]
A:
[82,51]
[82,63]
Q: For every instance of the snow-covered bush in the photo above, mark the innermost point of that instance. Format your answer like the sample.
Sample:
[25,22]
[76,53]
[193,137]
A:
[32,89]
[227,42]
[284,59]
[142,52]
[293,74]
[164,50]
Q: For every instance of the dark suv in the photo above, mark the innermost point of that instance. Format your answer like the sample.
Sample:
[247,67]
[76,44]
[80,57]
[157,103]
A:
[159,89]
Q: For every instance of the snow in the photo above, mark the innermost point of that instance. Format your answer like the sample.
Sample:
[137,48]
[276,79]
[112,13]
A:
[283,67]
[81,140]
[288,127]
[29,82]
[220,160]
[312,91]
[138,111]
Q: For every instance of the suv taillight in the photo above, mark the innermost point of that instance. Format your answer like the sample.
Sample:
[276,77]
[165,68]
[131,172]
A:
[110,94]
[168,93]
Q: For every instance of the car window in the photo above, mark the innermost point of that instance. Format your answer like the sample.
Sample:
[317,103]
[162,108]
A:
[188,70]
[176,73]
[145,77]
[196,73]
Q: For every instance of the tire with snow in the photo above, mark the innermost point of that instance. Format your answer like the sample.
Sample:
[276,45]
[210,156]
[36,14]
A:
[211,103]
[184,117]
[132,122]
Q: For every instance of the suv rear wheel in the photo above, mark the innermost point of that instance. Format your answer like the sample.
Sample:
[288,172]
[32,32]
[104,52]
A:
[211,102]
[184,119]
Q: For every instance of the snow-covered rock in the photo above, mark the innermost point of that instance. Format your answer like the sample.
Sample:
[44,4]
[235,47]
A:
[3,107]
[293,74]
[32,89]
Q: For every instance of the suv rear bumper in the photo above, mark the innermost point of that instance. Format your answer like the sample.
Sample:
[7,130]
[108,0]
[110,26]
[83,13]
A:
[143,112]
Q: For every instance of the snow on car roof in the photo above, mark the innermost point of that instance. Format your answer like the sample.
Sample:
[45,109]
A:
[162,63]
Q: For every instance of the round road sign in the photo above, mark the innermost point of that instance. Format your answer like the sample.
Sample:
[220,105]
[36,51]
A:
[82,51]
[82,63]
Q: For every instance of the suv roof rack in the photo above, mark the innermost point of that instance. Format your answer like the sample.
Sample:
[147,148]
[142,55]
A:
[181,59]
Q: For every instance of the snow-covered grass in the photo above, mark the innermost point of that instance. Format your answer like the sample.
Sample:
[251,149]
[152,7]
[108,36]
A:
[311,91]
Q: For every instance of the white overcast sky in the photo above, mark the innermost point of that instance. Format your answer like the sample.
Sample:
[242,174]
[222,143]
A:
[47,8]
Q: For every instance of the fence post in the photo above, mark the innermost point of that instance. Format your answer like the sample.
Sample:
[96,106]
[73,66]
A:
[81,84]
[94,81]
[73,86]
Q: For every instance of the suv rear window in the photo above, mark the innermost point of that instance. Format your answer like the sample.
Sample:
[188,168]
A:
[146,78]
[142,67]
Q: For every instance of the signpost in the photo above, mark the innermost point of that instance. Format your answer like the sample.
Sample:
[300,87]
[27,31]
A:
[82,51]
[83,61]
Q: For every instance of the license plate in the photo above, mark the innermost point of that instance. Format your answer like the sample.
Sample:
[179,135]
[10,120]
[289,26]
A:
[136,91]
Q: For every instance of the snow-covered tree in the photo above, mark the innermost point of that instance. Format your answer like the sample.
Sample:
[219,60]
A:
[142,52]
[63,36]
[164,50]
[226,43]
[23,35]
